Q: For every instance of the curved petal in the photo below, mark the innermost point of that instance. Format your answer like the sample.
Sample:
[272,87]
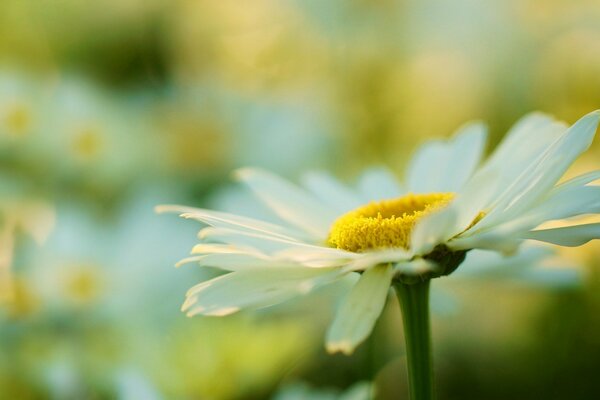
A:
[433,229]
[445,166]
[234,291]
[232,258]
[540,176]
[580,180]
[237,262]
[316,258]
[569,236]
[219,248]
[523,145]
[271,245]
[370,259]
[499,240]
[356,318]
[226,220]
[561,204]
[415,267]
[289,202]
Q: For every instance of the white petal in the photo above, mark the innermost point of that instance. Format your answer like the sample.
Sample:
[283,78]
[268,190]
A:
[246,241]
[291,203]
[268,244]
[399,258]
[356,318]
[580,180]
[415,267]
[537,180]
[226,220]
[218,248]
[498,240]
[444,166]
[370,259]
[489,232]
[237,262]
[378,184]
[318,257]
[529,187]
[332,192]
[307,256]
[465,154]
[433,229]
[425,166]
[570,236]
[524,145]
[229,293]
[561,204]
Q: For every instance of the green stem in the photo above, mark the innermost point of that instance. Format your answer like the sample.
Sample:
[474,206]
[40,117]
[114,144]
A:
[414,303]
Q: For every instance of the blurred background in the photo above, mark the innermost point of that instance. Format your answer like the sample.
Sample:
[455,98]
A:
[108,108]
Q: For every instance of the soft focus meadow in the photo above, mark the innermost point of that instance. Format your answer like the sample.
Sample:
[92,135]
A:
[109,108]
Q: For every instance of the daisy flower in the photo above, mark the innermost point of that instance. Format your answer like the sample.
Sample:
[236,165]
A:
[18,215]
[395,234]
[300,391]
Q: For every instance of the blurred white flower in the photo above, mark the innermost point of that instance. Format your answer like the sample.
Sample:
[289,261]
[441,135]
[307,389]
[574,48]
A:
[102,283]
[68,128]
[94,132]
[450,205]
[132,385]
[300,391]
[34,218]
[20,99]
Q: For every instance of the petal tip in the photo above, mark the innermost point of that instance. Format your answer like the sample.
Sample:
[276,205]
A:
[343,347]
[181,262]
[161,208]
[243,173]
[593,116]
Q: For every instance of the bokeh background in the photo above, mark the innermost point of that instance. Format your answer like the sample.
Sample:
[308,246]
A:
[108,108]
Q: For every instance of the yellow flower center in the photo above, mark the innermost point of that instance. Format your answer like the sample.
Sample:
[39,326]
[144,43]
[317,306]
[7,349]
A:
[384,224]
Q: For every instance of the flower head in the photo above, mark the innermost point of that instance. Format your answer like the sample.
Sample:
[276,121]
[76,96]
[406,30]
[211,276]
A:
[384,224]
[451,203]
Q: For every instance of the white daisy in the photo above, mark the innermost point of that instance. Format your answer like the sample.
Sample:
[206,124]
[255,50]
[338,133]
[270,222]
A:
[19,215]
[301,391]
[391,233]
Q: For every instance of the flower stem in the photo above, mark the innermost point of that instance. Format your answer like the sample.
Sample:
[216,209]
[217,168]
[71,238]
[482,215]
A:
[414,304]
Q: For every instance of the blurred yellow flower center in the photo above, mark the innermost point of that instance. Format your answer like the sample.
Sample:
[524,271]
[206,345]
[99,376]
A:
[384,224]
[88,143]
[18,120]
